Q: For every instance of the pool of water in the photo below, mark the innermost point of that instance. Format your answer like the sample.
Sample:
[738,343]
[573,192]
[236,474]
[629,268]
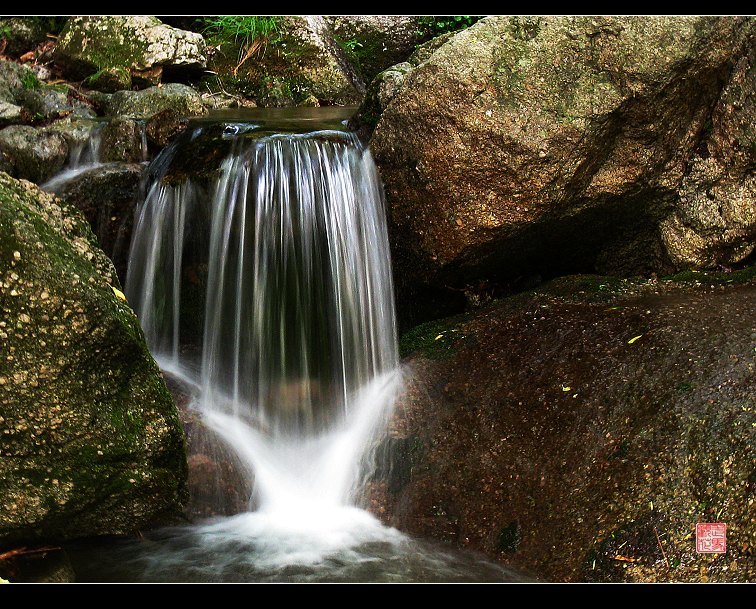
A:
[260,548]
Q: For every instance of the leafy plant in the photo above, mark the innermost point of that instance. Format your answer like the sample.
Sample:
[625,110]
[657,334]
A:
[430,27]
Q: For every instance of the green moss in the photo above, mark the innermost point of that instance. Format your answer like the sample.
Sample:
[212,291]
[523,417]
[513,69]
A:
[595,287]
[714,277]
[431,26]
[30,81]
[436,339]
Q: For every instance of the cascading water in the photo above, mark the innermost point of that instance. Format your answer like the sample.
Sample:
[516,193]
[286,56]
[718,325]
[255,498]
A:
[83,156]
[297,365]
[265,285]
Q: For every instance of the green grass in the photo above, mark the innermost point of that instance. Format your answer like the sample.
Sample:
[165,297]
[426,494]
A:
[241,30]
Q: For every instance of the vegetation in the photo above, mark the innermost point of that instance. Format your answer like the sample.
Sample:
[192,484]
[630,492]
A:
[430,27]
[30,81]
[240,29]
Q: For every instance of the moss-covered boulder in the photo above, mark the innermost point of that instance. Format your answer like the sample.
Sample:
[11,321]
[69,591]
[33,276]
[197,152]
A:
[181,99]
[562,144]
[581,431]
[143,46]
[90,440]
[298,61]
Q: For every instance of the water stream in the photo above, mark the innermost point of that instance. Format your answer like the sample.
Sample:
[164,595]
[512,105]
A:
[260,271]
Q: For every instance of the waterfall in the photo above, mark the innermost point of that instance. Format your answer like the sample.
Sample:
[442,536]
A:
[266,284]
[259,268]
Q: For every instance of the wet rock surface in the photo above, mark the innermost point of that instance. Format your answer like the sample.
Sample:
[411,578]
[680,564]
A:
[582,430]
[107,196]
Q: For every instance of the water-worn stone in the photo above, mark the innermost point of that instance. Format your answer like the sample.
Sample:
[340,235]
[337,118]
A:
[562,144]
[91,440]
[32,154]
[143,45]
[107,195]
[123,140]
[182,99]
[579,432]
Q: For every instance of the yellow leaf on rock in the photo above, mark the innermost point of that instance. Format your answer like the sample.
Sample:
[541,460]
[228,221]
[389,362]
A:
[633,339]
[120,295]
[439,336]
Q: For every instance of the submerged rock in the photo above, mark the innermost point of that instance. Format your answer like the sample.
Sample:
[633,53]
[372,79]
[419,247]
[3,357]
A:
[148,49]
[581,431]
[91,440]
[560,144]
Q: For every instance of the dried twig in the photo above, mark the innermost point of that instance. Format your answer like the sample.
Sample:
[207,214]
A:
[251,49]
[664,554]
[24,551]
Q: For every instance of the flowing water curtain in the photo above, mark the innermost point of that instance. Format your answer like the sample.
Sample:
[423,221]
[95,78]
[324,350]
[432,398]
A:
[298,308]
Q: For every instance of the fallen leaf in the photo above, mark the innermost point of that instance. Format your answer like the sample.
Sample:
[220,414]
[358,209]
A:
[633,339]
[120,295]
[564,388]
[439,336]
[625,558]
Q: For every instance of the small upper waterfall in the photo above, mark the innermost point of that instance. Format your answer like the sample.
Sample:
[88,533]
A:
[267,285]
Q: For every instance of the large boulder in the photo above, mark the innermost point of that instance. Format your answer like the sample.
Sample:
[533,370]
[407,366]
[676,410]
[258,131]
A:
[580,432]
[91,439]
[143,46]
[561,144]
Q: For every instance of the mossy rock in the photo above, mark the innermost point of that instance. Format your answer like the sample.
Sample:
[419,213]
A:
[92,443]
[142,45]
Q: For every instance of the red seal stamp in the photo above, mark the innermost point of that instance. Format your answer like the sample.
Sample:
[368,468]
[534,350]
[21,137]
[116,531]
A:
[711,538]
